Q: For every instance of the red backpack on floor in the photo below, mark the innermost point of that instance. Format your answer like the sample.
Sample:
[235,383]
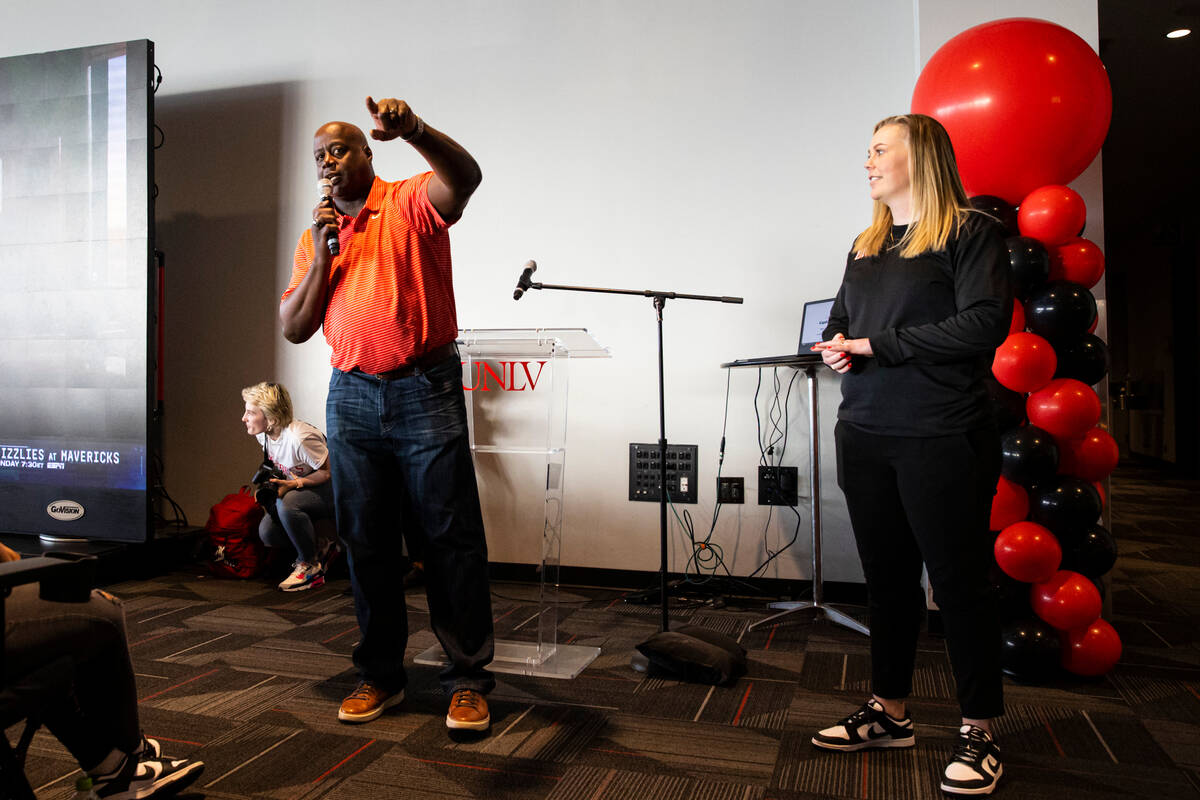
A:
[232,534]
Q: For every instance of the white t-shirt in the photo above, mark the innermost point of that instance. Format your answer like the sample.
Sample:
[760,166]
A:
[298,451]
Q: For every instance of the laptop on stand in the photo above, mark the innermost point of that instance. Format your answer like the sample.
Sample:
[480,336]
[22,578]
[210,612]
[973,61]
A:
[813,320]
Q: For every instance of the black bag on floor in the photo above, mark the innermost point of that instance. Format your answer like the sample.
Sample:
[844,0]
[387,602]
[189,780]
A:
[694,654]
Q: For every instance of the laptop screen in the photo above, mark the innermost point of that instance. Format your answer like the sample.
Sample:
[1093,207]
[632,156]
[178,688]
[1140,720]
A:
[813,322]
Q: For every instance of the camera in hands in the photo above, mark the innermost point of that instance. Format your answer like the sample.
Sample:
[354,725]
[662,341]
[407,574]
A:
[265,492]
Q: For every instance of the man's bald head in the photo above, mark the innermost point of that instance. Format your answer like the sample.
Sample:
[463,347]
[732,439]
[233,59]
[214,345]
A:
[347,131]
[344,157]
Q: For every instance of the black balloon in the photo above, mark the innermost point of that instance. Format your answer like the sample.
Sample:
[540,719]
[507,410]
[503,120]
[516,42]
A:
[1008,407]
[1084,359]
[1092,552]
[1029,456]
[1030,651]
[1012,595]
[998,208]
[1029,262]
[1060,311]
[1067,506]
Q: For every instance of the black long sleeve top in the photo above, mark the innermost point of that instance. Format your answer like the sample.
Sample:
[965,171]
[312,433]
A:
[934,322]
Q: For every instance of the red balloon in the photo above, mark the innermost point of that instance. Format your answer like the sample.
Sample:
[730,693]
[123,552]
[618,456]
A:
[1064,407]
[1067,601]
[1026,103]
[1092,457]
[1077,260]
[1092,650]
[1018,318]
[1027,552]
[1010,504]
[1024,362]
[1052,214]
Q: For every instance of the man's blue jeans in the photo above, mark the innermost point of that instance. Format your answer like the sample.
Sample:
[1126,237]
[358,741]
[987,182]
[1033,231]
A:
[401,462]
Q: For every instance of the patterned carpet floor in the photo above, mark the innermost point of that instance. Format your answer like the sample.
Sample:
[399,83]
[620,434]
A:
[249,680]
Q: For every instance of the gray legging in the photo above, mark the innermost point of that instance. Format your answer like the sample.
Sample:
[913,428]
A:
[291,520]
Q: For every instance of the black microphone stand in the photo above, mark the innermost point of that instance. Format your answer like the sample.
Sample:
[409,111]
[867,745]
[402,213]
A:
[660,300]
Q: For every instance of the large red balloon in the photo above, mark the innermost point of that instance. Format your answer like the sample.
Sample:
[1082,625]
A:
[1067,601]
[1027,552]
[1077,260]
[1052,214]
[1024,362]
[1091,457]
[1010,504]
[1064,407]
[1026,103]
[1092,650]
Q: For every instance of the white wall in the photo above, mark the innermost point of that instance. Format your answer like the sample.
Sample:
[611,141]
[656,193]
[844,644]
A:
[687,145]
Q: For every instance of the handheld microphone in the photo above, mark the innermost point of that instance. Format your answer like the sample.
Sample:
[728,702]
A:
[325,187]
[523,282]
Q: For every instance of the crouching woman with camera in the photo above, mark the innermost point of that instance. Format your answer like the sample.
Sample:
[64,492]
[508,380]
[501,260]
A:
[292,483]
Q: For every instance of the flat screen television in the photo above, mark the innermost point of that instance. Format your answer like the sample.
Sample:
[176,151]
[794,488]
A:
[77,292]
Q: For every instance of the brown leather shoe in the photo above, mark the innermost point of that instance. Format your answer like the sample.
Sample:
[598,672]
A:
[468,711]
[367,702]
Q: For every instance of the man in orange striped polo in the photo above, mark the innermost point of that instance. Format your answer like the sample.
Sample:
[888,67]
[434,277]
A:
[374,273]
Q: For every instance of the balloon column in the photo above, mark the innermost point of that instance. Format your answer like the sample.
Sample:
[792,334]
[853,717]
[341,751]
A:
[1027,105]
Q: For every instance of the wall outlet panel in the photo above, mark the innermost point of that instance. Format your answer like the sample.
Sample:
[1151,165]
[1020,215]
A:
[731,490]
[682,466]
[778,486]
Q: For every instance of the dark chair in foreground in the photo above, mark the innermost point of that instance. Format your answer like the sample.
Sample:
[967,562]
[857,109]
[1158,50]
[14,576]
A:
[63,578]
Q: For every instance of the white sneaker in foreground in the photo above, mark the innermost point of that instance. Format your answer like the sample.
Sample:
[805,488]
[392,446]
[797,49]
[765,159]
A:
[868,728]
[976,767]
[147,777]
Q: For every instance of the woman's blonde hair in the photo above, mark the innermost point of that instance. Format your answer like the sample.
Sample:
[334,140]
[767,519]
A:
[940,202]
[274,401]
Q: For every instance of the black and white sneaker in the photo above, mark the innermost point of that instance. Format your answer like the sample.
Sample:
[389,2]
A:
[976,767]
[144,777]
[868,728]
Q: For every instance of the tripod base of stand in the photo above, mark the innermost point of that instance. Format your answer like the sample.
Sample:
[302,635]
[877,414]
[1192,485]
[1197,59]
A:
[829,612]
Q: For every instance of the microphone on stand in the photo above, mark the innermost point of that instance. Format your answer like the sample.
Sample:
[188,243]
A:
[325,187]
[523,282]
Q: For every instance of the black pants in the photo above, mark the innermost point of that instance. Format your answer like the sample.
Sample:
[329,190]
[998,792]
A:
[926,499]
[99,712]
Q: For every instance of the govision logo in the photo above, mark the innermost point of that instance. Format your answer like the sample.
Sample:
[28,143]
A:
[65,510]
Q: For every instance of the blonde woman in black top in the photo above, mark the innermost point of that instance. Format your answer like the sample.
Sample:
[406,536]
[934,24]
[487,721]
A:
[924,302]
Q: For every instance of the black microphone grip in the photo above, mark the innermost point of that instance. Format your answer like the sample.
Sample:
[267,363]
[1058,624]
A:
[331,241]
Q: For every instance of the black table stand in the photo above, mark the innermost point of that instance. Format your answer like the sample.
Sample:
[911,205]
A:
[660,300]
[817,604]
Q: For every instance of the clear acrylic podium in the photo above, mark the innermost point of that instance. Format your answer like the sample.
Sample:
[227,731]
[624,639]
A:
[538,359]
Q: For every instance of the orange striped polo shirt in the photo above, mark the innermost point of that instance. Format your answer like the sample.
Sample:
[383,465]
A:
[391,294]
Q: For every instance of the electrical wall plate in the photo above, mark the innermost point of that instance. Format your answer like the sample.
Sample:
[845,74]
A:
[644,474]
[731,490]
[778,486]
